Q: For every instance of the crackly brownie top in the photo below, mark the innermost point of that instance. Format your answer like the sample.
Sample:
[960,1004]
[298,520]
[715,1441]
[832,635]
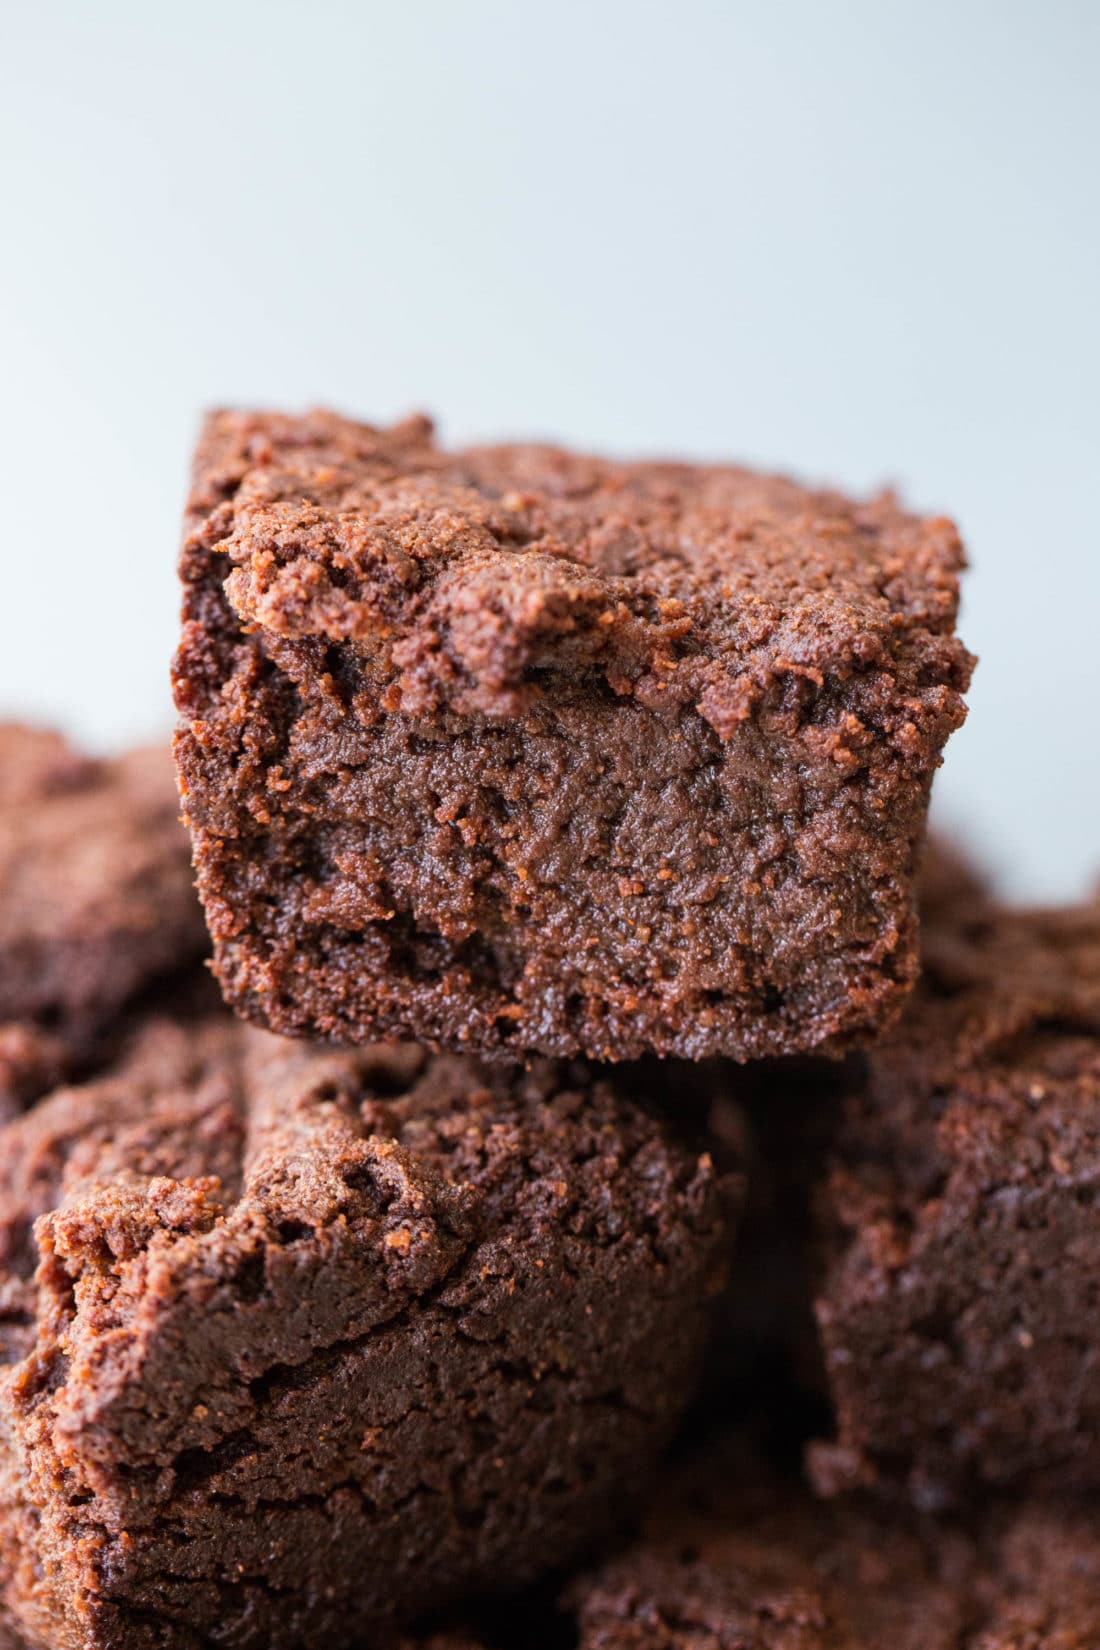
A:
[466,575]
[290,1199]
[992,1079]
[96,895]
[735,1557]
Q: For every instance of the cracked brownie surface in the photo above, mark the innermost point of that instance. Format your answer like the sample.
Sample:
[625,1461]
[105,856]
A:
[734,1556]
[96,900]
[296,1344]
[961,1221]
[513,749]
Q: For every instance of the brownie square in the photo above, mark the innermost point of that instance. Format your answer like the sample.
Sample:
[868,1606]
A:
[734,1555]
[960,1223]
[297,1345]
[96,900]
[510,749]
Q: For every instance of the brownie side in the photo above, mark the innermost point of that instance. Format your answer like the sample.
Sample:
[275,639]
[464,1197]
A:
[733,1556]
[960,1221]
[317,1342]
[96,900]
[514,750]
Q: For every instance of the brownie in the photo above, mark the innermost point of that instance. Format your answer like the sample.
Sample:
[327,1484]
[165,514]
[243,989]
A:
[736,1557]
[780,1119]
[950,883]
[509,749]
[461,1639]
[295,1343]
[96,900]
[959,1223]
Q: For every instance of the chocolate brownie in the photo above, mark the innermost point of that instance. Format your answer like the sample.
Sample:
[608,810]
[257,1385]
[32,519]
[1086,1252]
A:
[318,1340]
[960,1223]
[780,1119]
[734,1557]
[950,883]
[512,749]
[96,899]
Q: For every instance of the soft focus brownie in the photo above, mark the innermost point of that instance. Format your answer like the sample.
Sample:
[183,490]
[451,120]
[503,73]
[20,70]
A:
[96,899]
[735,1557]
[512,749]
[295,1343]
[462,1638]
[960,1223]
[951,883]
[780,1119]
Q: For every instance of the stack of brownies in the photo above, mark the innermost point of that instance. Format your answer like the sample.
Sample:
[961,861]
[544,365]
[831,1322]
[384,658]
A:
[600,1218]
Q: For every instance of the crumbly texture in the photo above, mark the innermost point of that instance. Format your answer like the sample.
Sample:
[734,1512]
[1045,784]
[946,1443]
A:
[294,1344]
[960,1223]
[734,1557]
[96,900]
[514,750]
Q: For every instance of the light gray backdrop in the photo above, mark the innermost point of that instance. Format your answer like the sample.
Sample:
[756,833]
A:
[861,242]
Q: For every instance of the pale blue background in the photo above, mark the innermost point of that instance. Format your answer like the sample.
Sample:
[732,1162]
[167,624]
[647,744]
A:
[861,242]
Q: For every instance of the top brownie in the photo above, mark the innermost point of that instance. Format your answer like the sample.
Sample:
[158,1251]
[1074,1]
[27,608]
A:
[515,750]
